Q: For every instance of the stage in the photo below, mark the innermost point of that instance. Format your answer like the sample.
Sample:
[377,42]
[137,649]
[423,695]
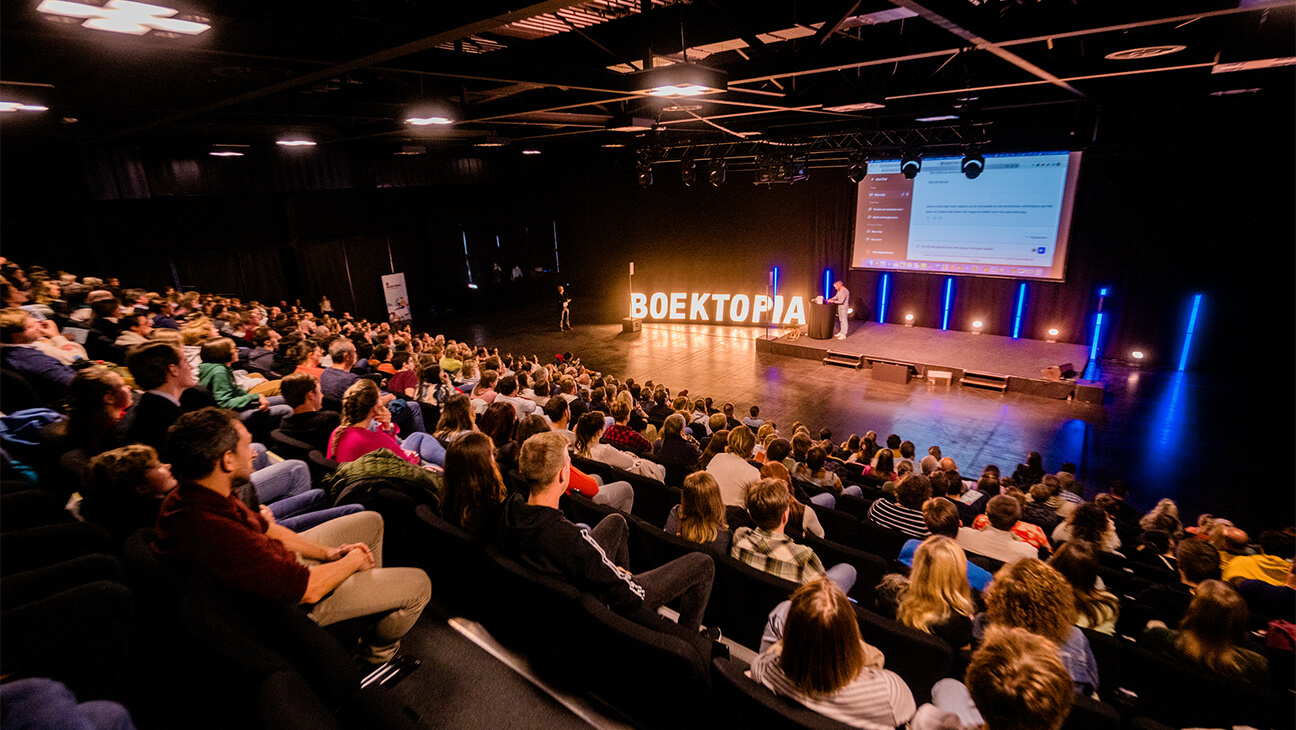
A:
[987,361]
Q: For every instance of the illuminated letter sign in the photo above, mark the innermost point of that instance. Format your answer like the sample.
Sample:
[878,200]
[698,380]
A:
[727,308]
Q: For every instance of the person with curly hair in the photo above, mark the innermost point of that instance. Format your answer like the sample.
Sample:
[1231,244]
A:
[1031,595]
[1089,522]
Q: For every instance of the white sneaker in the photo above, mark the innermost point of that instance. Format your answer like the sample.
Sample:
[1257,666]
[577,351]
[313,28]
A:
[840,337]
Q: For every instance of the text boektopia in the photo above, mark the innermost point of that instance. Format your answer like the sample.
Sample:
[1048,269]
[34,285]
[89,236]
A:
[722,308]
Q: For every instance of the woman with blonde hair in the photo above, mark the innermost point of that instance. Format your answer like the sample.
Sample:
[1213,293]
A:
[938,600]
[485,388]
[1096,608]
[700,515]
[362,406]
[1028,594]
[1153,519]
[822,662]
[1209,635]
[764,435]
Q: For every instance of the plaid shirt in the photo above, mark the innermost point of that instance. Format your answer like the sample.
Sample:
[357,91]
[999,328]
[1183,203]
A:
[626,438]
[776,554]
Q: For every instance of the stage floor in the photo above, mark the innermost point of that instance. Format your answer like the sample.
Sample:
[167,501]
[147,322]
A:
[1152,429]
[937,350]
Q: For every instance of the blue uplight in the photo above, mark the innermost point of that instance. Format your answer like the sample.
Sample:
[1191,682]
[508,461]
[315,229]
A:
[828,292]
[949,297]
[1192,325]
[1021,299]
[886,278]
[1102,292]
[1093,348]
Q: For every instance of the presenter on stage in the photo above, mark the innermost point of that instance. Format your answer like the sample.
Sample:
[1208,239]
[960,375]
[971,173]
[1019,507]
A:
[842,300]
[564,318]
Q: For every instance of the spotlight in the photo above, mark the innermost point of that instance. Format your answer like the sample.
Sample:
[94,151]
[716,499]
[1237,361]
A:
[530,152]
[910,164]
[973,164]
[716,171]
[429,113]
[295,142]
[857,169]
[1052,335]
[644,171]
[1137,355]
[976,327]
[688,171]
[909,320]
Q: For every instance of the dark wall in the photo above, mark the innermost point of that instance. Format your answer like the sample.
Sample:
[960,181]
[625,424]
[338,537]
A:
[1156,221]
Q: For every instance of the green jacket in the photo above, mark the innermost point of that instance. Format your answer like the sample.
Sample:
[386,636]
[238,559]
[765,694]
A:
[219,379]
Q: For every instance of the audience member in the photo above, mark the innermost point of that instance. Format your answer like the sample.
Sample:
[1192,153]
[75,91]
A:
[164,376]
[905,515]
[474,488]
[1095,607]
[731,470]
[997,541]
[1210,636]
[307,423]
[621,436]
[822,662]
[362,405]
[1089,522]
[216,376]
[941,518]
[938,599]
[700,515]
[1030,595]
[767,548]
[335,568]
[588,445]
[534,531]
[19,334]
[1029,533]
[801,521]
[337,377]
[1272,564]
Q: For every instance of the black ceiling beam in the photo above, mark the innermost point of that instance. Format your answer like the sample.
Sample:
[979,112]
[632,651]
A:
[372,59]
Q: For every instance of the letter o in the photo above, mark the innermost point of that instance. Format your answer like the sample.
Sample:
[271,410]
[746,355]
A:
[657,306]
[739,313]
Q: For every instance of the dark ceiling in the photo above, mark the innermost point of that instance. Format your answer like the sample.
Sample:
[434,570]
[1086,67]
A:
[553,73]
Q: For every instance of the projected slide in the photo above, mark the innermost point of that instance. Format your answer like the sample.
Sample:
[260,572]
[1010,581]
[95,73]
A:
[1012,221]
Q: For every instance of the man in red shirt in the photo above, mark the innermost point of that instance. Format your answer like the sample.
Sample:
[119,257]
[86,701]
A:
[621,435]
[335,568]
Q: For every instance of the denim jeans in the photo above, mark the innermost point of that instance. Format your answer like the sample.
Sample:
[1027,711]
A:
[428,448]
[308,509]
[277,481]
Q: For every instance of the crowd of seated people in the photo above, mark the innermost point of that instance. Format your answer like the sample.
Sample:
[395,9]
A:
[1012,569]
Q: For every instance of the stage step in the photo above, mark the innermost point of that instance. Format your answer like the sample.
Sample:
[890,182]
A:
[989,381]
[844,359]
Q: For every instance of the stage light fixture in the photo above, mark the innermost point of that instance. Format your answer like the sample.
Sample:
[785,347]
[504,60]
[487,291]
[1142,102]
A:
[680,79]
[716,171]
[973,165]
[857,167]
[1137,355]
[122,16]
[688,171]
[976,327]
[910,164]
[295,142]
[493,141]
[909,320]
[225,153]
[627,123]
[644,172]
[1052,335]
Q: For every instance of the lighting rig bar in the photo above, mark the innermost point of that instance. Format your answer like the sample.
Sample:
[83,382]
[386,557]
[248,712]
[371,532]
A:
[822,146]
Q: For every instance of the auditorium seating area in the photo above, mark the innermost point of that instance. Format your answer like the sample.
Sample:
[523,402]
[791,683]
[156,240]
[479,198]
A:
[112,620]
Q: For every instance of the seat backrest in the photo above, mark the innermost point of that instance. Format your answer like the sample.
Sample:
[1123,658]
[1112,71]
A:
[1182,695]
[675,472]
[742,598]
[840,527]
[1090,714]
[651,547]
[580,508]
[1109,652]
[535,611]
[635,668]
[869,568]
[919,658]
[454,561]
[16,393]
[746,704]
[289,447]
[989,565]
[879,540]
[855,506]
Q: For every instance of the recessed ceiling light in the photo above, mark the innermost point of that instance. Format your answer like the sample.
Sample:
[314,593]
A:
[610,145]
[16,106]
[941,118]
[1231,92]
[294,142]
[1134,54]
[424,121]
[225,153]
[530,152]
[122,16]
[681,79]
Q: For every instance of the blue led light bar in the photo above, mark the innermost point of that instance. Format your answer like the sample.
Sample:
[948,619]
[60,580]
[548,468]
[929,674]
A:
[949,295]
[886,278]
[828,292]
[1021,299]
[1192,325]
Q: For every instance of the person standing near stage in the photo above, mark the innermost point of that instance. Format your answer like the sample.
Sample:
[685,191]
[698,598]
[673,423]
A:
[842,300]
[326,307]
[564,301]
